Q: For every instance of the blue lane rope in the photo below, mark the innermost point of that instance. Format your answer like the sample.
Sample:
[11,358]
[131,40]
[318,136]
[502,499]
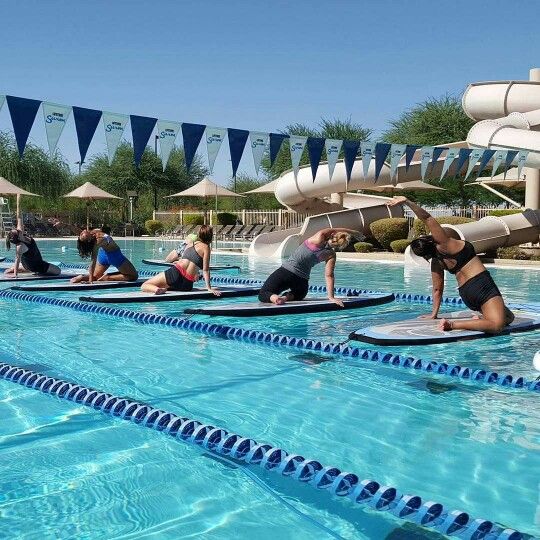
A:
[219,441]
[480,376]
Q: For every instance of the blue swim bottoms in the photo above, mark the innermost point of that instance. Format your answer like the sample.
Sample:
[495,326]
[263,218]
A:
[110,258]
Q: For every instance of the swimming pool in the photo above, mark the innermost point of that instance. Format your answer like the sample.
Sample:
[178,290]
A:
[81,474]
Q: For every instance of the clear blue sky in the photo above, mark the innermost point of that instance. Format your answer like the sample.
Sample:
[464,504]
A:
[257,65]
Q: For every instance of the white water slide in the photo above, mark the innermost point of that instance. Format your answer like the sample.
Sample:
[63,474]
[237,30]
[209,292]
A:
[508,115]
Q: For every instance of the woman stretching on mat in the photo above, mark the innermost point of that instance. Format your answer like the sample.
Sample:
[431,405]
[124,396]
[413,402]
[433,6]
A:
[476,286]
[185,272]
[176,253]
[104,252]
[291,280]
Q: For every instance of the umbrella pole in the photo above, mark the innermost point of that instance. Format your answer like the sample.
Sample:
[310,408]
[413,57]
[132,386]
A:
[18,213]
[87,215]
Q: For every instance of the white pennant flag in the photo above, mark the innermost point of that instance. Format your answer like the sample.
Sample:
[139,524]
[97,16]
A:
[396,153]
[426,154]
[114,124]
[367,150]
[521,160]
[55,117]
[297,142]
[167,132]
[475,156]
[2,99]
[333,148]
[451,154]
[498,158]
[214,138]
[259,144]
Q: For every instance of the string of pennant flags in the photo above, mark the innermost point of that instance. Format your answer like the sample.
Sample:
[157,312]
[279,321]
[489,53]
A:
[23,112]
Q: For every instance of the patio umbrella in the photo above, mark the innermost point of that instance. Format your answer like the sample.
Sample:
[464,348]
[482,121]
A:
[7,188]
[205,189]
[416,185]
[511,181]
[91,193]
[267,188]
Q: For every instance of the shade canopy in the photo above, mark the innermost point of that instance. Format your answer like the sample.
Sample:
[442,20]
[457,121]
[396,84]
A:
[89,191]
[267,188]
[416,185]
[7,188]
[206,188]
[511,181]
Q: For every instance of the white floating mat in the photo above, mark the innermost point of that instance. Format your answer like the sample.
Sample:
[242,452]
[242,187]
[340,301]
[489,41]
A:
[169,296]
[309,305]
[28,276]
[84,286]
[213,268]
[424,331]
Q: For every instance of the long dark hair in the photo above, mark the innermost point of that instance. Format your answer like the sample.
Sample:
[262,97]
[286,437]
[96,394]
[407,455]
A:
[86,247]
[206,233]
[12,237]
[424,246]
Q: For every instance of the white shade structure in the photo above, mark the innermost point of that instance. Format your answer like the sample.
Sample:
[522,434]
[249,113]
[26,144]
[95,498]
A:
[90,192]
[511,181]
[7,188]
[266,188]
[416,185]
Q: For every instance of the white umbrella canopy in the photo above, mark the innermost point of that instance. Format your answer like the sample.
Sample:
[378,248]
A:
[7,188]
[511,181]
[416,185]
[267,188]
[90,192]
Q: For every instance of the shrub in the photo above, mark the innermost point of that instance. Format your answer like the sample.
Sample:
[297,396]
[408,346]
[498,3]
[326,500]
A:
[363,247]
[499,213]
[399,246]
[387,230]
[512,253]
[226,218]
[419,228]
[194,219]
[153,226]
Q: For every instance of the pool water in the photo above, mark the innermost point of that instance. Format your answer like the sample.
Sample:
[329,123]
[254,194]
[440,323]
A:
[80,474]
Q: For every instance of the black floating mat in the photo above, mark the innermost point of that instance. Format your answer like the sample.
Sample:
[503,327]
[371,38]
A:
[213,268]
[84,286]
[170,296]
[425,331]
[309,305]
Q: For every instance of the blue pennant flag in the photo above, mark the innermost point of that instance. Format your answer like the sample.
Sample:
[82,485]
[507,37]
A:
[237,143]
[463,156]
[488,154]
[192,135]
[509,158]
[315,146]
[276,140]
[23,113]
[350,150]
[381,152]
[437,151]
[86,122]
[141,129]
[409,154]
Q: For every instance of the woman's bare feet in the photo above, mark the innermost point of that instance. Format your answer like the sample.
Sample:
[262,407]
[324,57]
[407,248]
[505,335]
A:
[160,290]
[445,325]
[76,279]
[278,300]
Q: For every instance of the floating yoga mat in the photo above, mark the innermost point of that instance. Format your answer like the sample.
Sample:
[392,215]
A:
[309,305]
[27,276]
[425,331]
[195,294]
[216,268]
[85,286]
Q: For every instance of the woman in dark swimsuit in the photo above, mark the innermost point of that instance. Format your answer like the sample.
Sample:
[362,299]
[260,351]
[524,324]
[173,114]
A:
[476,286]
[183,274]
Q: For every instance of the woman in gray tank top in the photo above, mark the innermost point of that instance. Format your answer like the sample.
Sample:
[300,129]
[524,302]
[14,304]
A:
[291,280]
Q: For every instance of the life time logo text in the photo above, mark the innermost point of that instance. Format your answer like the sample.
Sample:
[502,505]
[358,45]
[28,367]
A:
[55,117]
[114,126]
[168,132]
[214,138]
[258,142]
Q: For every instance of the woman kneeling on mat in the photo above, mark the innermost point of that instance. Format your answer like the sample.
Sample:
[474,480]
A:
[104,252]
[183,274]
[476,286]
[28,255]
[293,275]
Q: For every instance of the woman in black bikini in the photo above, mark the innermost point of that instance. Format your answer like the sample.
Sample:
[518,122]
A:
[476,286]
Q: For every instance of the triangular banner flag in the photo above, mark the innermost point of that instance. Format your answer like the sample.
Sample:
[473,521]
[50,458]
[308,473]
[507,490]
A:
[192,135]
[333,148]
[276,140]
[86,121]
[55,117]
[237,143]
[409,154]
[488,154]
[451,155]
[259,144]
[214,137]
[381,153]
[167,131]
[426,155]
[298,142]
[500,156]
[141,129]
[315,146]
[23,113]
[367,149]
[2,99]
[396,153]
[114,125]
[521,160]
[476,154]
[464,154]
[437,151]
[508,161]
[350,151]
